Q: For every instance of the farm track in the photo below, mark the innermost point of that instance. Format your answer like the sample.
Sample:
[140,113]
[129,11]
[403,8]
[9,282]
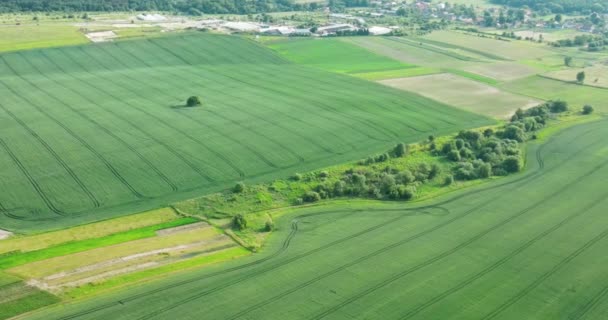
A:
[531,176]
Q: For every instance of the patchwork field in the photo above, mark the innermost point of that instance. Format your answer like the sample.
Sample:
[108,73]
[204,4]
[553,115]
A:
[596,76]
[512,50]
[464,93]
[91,132]
[514,248]
[72,263]
[545,88]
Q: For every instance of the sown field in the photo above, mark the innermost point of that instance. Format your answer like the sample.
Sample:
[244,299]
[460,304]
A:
[515,248]
[464,93]
[576,95]
[596,76]
[449,56]
[512,50]
[334,55]
[90,132]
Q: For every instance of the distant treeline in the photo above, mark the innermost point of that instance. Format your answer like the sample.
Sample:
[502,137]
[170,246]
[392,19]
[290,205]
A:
[558,6]
[185,6]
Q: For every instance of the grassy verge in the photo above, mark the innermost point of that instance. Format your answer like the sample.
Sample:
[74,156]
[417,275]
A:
[14,259]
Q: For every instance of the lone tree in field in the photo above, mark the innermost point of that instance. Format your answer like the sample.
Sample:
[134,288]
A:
[580,77]
[568,61]
[193,101]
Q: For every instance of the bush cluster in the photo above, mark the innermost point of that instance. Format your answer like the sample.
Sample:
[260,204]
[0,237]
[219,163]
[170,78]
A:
[480,155]
[386,183]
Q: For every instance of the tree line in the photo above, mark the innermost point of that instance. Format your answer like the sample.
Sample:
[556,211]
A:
[557,6]
[184,6]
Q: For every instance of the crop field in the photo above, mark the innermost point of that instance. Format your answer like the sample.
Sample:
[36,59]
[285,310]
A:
[334,55]
[449,56]
[513,248]
[596,76]
[30,36]
[544,88]
[512,50]
[92,132]
[464,93]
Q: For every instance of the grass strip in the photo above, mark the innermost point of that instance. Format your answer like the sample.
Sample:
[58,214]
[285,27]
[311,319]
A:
[13,259]
[93,288]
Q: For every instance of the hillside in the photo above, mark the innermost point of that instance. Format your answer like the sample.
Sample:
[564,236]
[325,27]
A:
[90,132]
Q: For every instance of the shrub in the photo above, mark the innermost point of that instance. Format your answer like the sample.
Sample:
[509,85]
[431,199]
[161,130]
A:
[515,133]
[454,155]
[587,109]
[488,133]
[298,201]
[239,222]
[406,193]
[269,225]
[405,177]
[339,188]
[193,101]
[387,183]
[311,196]
[511,164]
[400,150]
[558,106]
[435,171]
[239,187]
[323,174]
[448,180]
[485,170]
[296,177]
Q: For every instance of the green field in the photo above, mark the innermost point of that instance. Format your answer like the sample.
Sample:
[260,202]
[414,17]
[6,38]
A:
[515,248]
[30,36]
[91,132]
[545,88]
[465,93]
[334,55]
